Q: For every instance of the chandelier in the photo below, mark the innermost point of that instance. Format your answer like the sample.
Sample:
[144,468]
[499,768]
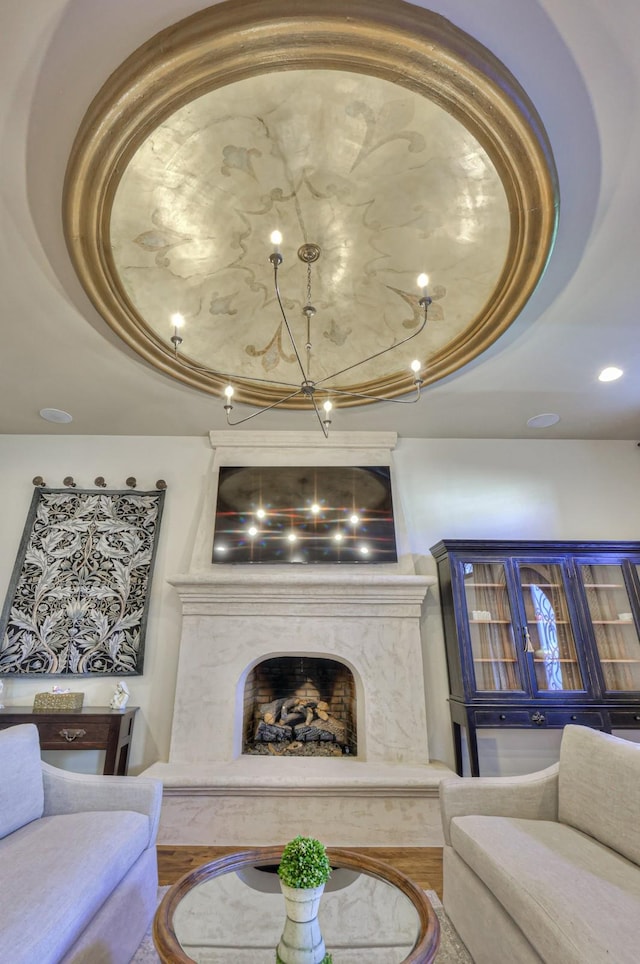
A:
[320,392]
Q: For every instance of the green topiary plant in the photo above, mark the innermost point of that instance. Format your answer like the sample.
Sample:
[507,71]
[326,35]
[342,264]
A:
[304,863]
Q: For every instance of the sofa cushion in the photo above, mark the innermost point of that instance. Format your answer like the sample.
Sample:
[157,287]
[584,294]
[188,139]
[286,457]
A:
[599,788]
[58,872]
[21,787]
[573,898]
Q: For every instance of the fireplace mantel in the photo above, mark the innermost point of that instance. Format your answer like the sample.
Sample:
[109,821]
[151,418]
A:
[345,593]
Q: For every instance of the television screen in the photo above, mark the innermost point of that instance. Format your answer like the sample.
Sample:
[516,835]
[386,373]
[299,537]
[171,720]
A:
[284,514]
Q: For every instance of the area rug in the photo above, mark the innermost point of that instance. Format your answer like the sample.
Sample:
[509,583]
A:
[452,950]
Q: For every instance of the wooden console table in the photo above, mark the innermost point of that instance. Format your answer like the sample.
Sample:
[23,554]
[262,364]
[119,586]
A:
[90,728]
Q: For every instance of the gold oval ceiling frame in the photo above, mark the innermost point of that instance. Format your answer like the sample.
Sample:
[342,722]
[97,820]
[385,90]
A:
[389,39]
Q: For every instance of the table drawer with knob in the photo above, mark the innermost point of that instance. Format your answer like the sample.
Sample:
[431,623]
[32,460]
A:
[593,718]
[626,719]
[502,718]
[84,734]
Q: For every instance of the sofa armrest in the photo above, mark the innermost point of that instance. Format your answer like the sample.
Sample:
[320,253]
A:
[533,796]
[66,792]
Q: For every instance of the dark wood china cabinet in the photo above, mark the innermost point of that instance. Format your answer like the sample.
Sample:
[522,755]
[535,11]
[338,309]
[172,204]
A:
[540,634]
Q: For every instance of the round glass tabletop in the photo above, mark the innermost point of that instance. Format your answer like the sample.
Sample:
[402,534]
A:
[232,910]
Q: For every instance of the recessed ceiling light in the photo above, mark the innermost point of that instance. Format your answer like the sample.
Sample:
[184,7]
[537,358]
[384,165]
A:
[610,374]
[543,421]
[55,415]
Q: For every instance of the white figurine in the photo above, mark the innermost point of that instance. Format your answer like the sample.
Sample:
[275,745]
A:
[120,697]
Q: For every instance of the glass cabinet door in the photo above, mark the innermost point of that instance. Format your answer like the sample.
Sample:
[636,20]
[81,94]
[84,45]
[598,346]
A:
[615,631]
[494,652]
[549,634]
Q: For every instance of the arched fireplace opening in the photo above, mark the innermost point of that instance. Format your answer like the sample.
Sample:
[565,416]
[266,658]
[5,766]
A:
[300,706]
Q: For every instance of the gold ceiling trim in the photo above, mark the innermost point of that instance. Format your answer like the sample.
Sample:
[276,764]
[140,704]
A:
[389,39]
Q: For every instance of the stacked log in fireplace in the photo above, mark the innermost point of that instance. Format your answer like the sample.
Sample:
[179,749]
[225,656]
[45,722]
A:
[298,720]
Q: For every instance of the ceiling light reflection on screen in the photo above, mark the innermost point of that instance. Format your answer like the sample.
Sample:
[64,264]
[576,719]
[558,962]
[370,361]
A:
[304,514]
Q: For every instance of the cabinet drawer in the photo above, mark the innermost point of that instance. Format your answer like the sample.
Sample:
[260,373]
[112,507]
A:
[581,717]
[79,734]
[625,718]
[501,718]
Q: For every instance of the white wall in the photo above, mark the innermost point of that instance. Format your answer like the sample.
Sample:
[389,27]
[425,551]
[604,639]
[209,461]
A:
[450,488]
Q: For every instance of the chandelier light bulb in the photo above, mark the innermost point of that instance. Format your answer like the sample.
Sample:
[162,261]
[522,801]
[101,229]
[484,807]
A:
[276,239]
[315,508]
[260,513]
[228,407]
[423,281]
[610,374]
[354,519]
[252,531]
[177,320]
[415,365]
[338,537]
[364,550]
[327,406]
[292,537]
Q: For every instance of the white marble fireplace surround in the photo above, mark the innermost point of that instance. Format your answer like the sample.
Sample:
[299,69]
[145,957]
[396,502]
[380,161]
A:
[366,616]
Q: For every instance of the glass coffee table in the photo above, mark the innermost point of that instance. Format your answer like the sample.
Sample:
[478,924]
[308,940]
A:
[231,911]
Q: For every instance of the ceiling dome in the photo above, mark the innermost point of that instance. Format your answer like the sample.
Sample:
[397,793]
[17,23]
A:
[391,139]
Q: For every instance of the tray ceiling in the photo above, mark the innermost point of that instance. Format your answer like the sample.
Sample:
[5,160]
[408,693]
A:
[398,145]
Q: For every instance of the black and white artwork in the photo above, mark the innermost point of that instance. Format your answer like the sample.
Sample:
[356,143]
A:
[79,596]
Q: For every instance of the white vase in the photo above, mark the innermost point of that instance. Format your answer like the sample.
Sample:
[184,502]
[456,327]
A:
[301,941]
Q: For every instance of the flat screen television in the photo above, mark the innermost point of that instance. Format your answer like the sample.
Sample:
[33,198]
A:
[284,514]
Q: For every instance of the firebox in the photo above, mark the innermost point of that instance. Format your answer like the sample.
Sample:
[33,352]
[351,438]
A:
[300,706]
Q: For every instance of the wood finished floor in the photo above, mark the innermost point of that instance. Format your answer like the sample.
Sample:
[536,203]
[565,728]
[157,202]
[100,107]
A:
[422,864]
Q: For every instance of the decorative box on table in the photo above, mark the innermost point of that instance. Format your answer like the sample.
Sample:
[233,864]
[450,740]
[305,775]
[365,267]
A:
[46,702]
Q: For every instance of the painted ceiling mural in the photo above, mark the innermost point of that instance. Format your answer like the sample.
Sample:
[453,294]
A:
[387,183]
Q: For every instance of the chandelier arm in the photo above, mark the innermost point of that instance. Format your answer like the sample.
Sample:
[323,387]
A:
[324,428]
[261,411]
[235,377]
[376,398]
[284,316]
[377,353]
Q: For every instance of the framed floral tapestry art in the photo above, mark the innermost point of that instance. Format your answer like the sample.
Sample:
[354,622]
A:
[79,596]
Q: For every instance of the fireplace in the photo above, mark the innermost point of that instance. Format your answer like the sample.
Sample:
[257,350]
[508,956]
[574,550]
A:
[300,699]
[300,706]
